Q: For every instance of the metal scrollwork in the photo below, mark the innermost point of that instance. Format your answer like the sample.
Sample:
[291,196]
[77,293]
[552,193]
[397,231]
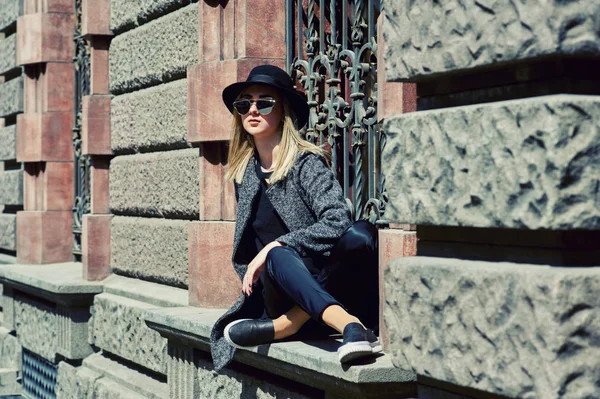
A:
[331,52]
[81,167]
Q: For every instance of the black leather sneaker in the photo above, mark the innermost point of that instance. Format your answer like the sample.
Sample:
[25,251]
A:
[249,333]
[358,342]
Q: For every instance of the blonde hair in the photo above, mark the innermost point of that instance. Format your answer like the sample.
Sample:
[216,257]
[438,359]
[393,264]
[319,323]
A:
[241,148]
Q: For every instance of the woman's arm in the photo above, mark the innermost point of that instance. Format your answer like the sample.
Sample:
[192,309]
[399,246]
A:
[324,196]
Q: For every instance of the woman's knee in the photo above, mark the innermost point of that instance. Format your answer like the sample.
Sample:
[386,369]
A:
[278,257]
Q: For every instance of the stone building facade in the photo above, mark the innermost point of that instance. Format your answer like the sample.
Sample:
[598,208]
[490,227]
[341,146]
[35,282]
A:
[116,223]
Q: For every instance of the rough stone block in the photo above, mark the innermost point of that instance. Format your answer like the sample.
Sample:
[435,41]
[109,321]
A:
[49,186]
[139,242]
[119,329]
[208,118]
[45,37]
[233,384]
[11,187]
[10,10]
[533,165]
[8,308]
[515,330]
[427,39]
[212,281]
[36,324]
[157,184]
[95,18]
[96,247]
[8,232]
[45,137]
[44,237]
[8,52]
[392,244]
[11,97]
[10,350]
[156,52]
[95,125]
[75,382]
[8,138]
[150,119]
[125,14]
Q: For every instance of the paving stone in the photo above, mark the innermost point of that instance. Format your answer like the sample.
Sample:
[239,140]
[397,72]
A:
[10,10]
[11,97]
[127,14]
[156,52]
[11,187]
[139,242]
[164,184]
[8,138]
[515,330]
[427,39]
[529,164]
[119,329]
[8,54]
[149,119]
[8,232]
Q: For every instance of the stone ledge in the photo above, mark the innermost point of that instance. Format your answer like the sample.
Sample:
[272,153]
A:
[57,278]
[313,363]
[427,39]
[157,52]
[139,290]
[516,330]
[531,167]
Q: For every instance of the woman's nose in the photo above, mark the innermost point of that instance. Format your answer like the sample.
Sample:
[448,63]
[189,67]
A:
[253,107]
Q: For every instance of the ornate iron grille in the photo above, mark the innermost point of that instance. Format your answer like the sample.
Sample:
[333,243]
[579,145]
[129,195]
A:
[39,377]
[331,54]
[81,167]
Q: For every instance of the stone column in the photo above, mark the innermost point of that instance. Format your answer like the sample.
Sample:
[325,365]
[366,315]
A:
[45,50]
[498,168]
[95,135]
[232,41]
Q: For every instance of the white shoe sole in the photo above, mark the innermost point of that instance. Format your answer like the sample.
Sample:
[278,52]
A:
[356,350]
[226,335]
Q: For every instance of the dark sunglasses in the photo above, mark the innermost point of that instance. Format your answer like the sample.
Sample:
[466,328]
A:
[263,105]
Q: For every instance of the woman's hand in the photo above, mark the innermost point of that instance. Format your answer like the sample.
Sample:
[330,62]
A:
[256,267]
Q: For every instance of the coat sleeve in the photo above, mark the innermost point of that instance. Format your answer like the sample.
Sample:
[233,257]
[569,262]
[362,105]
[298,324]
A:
[323,195]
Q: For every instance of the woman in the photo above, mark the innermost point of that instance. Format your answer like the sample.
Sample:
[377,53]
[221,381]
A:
[295,247]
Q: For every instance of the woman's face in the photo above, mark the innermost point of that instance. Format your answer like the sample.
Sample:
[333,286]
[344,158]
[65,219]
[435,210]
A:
[254,122]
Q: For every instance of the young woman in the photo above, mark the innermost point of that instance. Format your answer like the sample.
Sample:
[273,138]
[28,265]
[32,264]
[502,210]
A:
[302,262]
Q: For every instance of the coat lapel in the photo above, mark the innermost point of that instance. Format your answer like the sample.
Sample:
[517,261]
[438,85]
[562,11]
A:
[247,192]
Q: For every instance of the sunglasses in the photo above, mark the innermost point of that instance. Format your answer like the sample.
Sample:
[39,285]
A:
[263,105]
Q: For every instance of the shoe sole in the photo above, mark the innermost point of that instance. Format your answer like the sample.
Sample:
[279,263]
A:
[356,350]
[226,335]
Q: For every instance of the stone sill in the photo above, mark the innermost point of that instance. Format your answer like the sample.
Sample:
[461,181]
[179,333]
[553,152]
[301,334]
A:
[313,363]
[55,282]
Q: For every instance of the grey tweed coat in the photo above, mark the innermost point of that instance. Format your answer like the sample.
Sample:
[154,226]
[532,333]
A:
[310,202]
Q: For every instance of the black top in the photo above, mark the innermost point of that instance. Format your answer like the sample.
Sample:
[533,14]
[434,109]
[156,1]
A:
[266,223]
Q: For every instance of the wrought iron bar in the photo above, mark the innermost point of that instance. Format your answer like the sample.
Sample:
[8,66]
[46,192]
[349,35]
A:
[81,167]
[338,74]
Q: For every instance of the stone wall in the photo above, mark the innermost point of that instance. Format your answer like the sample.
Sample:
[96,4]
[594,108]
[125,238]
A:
[498,168]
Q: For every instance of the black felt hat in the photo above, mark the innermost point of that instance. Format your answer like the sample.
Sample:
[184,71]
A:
[277,78]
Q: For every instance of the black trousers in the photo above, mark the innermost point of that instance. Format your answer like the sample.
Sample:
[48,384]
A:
[349,279]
